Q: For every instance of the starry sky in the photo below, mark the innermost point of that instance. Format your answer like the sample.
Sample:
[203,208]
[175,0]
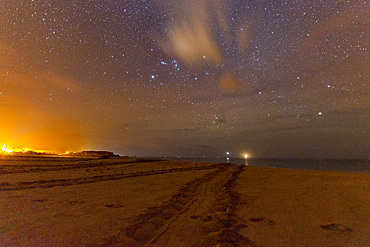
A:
[191,78]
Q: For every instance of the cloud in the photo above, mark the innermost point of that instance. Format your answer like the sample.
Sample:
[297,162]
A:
[200,31]
[338,23]
[191,37]
[229,84]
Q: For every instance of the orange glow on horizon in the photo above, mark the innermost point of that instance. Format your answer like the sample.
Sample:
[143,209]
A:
[10,150]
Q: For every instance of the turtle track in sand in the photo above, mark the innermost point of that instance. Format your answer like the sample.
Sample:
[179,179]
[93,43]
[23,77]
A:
[85,180]
[201,213]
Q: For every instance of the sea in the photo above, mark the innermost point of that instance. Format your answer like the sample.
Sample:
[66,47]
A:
[337,165]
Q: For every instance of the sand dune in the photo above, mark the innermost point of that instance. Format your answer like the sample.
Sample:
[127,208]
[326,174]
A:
[126,202]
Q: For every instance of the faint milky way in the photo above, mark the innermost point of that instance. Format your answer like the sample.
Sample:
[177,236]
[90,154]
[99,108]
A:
[199,77]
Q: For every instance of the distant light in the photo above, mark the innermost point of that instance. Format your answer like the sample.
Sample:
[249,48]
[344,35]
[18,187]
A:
[320,113]
[153,76]
[246,156]
[7,150]
[227,153]
[227,158]
[298,78]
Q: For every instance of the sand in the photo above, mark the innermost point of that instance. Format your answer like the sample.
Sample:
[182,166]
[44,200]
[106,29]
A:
[128,202]
[286,207]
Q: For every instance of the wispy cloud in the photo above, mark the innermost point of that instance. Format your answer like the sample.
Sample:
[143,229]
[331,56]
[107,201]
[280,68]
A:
[198,34]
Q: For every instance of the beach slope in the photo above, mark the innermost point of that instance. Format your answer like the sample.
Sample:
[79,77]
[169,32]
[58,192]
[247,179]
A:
[130,202]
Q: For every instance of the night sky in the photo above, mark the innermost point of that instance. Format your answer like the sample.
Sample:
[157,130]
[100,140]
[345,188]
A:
[191,78]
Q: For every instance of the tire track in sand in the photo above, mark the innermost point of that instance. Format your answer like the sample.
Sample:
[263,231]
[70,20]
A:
[62,164]
[76,181]
[202,213]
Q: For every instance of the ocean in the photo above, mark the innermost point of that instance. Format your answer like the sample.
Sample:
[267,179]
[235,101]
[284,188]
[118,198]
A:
[337,165]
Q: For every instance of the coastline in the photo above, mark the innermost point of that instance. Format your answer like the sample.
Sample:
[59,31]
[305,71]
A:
[319,164]
[121,202]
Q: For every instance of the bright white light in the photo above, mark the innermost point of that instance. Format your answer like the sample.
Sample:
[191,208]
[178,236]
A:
[227,158]
[4,149]
[227,153]
[246,156]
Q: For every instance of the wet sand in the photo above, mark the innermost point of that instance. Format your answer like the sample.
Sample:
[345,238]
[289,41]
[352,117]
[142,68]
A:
[128,202]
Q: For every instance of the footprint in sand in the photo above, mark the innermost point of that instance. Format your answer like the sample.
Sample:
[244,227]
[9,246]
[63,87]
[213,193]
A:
[75,202]
[336,227]
[40,200]
[206,218]
[258,219]
[117,205]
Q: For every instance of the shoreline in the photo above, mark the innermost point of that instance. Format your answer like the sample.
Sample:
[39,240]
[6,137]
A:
[122,202]
[335,165]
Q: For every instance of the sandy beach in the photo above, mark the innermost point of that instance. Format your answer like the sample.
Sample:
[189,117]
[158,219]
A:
[129,202]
